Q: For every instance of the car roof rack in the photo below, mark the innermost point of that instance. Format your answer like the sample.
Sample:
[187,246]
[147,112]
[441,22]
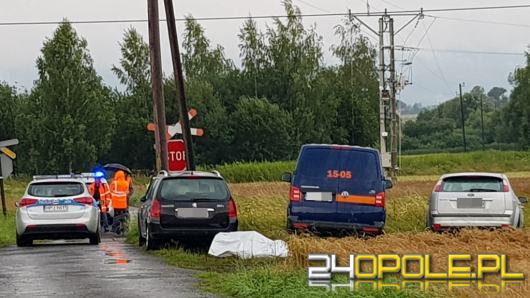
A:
[163,173]
[217,173]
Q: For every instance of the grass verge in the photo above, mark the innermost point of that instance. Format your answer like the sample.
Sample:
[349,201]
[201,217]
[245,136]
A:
[7,230]
[274,282]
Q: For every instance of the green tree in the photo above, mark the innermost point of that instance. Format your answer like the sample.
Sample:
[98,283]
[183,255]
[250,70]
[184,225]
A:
[262,131]
[516,116]
[357,87]
[8,111]
[132,144]
[67,121]
[254,58]
[203,62]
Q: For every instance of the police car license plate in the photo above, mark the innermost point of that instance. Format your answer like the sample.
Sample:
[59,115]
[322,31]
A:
[56,208]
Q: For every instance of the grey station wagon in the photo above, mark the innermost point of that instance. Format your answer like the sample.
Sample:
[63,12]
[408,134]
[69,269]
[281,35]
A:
[474,200]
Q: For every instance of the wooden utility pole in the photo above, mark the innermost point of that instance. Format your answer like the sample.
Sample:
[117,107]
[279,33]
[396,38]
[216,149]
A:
[159,115]
[179,83]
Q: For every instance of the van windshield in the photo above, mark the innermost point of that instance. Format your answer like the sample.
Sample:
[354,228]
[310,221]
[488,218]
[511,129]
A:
[328,164]
[183,189]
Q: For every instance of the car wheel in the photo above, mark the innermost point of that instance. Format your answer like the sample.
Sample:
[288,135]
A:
[428,222]
[141,239]
[95,239]
[150,243]
[520,225]
[290,229]
[22,241]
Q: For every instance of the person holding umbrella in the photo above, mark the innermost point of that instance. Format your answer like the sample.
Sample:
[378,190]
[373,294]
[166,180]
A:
[115,167]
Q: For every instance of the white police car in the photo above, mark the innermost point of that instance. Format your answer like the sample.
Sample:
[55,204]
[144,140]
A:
[57,207]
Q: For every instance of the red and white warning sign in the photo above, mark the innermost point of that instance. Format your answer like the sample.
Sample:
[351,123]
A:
[172,130]
[176,155]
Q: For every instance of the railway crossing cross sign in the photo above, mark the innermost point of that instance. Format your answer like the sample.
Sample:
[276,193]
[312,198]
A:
[176,149]
[172,130]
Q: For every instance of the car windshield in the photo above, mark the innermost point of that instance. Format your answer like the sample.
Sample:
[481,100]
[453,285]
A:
[180,189]
[55,189]
[472,184]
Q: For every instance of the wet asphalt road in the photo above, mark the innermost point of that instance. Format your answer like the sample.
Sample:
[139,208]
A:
[78,269]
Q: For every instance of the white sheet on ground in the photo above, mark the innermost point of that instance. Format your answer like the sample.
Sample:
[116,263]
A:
[247,245]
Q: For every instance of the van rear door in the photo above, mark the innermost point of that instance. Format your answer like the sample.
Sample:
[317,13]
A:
[318,191]
[360,180]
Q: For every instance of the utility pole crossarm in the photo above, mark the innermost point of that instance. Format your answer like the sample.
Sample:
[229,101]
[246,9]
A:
[418,16]
[364,24]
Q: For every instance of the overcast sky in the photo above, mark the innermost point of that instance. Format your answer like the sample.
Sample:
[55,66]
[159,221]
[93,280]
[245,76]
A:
[435,75]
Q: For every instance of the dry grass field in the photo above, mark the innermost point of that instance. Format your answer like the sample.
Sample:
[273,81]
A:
[262,207]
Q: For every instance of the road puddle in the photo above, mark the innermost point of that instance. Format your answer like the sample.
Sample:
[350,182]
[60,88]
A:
[113,255]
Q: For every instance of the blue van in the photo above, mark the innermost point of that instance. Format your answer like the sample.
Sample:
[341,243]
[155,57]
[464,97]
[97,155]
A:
[337,187]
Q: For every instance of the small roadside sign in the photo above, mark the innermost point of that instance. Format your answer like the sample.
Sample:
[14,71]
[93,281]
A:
[6,157]
[176,151]
[8,152]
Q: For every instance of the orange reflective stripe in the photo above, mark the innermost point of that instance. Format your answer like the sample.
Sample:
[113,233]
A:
[368,200]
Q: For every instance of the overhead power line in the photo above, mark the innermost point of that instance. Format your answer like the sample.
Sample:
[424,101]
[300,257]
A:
[475,52]
[228,18]
[481,21]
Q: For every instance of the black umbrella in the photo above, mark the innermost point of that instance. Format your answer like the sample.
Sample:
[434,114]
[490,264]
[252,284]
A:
[117,166]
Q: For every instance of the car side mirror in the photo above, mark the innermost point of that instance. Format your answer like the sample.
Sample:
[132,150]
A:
[143,199]
[287,177]
[523,200]
[387,184]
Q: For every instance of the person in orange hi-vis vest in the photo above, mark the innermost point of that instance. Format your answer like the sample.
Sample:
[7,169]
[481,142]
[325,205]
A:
[119,189]
[99,189]
[131,190]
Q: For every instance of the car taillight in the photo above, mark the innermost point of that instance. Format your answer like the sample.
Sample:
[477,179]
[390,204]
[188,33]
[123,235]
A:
[86,200]
[295,194]
[370,230]
[438,187]
[505,186]
[27,202]
[380,199]
[436,227]
[155,210]
[232,210]
[300,225]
